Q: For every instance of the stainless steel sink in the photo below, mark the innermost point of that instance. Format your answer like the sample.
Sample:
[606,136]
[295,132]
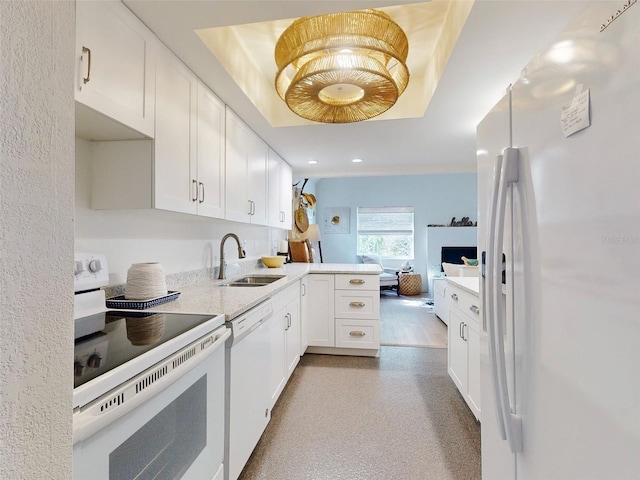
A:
[254,281]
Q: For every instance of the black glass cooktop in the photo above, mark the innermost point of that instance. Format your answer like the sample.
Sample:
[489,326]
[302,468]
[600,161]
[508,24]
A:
[110,339]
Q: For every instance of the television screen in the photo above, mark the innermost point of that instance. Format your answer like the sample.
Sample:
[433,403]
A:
[455,254]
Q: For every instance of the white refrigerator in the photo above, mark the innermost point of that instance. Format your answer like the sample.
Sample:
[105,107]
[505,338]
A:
[559,231]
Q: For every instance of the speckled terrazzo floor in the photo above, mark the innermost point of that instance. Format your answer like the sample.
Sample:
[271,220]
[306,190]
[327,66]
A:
[355,418]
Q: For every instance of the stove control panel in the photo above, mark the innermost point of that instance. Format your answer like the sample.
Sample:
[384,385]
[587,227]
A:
[90,354]
[90,271]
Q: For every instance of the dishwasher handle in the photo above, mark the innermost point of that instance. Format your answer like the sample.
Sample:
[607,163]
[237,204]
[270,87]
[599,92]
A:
[243,325]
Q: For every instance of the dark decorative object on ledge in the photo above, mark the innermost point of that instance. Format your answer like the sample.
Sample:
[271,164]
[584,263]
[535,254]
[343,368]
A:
[464,222]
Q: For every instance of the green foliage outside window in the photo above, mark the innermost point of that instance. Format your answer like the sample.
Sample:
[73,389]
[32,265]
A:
[385,231]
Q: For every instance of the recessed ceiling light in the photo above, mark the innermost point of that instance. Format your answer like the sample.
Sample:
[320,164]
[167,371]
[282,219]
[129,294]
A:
[313,162]
[356,160]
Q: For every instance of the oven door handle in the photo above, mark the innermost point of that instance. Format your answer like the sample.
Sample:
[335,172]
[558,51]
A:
[93,417]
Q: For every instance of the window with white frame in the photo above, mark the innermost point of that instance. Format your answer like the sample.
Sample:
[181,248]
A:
[385,231]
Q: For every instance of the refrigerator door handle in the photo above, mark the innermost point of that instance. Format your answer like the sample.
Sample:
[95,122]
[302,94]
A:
[512,422]
[488,298]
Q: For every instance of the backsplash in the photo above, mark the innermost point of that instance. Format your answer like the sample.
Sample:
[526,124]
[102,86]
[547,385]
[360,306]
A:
[176,281]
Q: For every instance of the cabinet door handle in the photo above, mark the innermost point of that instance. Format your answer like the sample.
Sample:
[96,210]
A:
[356,304]
[194,185]
[454,296]
[357,333]
[86,50]
[202,191]
[460,334]
[462,328]
[356,281]
[474,309]
[304,289]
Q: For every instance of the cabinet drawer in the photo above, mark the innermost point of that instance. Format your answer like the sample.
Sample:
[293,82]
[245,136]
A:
[464,301]
[357,333]
[358,282]
[362,305]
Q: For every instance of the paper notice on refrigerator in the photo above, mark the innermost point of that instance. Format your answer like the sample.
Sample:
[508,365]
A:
[575,117]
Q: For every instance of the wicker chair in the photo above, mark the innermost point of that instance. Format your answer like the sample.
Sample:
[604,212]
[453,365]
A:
[301,251]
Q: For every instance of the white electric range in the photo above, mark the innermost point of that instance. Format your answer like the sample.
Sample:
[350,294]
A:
[148,393]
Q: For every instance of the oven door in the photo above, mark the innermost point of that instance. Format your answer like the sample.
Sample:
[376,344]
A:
[175,433]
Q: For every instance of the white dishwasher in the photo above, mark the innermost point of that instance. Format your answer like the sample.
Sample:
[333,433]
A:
[248,398]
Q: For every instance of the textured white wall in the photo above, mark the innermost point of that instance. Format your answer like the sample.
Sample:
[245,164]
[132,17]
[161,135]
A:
[36,238]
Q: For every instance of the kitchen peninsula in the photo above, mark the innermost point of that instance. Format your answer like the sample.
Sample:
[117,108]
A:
[214,297]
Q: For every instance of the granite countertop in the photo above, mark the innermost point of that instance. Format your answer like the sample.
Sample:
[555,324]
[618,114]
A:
[470,284]
[212,298]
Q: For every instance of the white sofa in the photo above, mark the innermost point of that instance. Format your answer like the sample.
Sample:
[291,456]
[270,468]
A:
[455,270]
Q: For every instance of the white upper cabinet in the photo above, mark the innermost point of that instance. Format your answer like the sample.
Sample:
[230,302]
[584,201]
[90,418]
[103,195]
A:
[210,154]
[115,58]
[246,173]
[182,169]
[189,143]
[280,191]
[176,186]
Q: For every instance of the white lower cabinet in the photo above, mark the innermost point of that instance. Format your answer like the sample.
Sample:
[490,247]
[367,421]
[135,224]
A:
[342,313]
[284,329]
[304,317]
[473,385]
[318,310]
[463,315]
[440,299]
[458,362]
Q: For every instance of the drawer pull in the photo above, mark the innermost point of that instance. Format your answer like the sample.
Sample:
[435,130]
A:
[474,309]
[357,333]
[356,281]
[86,79]
[454,296]
[356,304]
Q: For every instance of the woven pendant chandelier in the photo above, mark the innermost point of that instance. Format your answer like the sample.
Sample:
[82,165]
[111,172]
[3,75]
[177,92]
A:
[342,67]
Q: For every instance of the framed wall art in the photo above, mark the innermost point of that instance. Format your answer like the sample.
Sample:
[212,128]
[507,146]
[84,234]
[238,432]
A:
[336,220]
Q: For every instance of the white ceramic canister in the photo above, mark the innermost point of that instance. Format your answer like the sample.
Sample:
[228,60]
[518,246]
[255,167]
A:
[145,281]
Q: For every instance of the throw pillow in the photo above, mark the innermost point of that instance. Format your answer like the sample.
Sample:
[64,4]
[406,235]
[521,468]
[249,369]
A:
[372,259]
